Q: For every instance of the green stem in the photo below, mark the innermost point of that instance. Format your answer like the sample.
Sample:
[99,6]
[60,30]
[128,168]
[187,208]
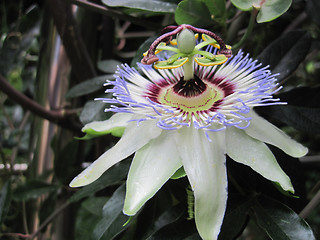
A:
[188,68]
[24,218]
[248,31]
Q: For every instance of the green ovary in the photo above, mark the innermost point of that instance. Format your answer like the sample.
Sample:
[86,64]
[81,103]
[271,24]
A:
[191,104]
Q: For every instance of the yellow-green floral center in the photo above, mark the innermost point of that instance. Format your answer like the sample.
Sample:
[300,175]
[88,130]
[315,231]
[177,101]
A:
[191,100]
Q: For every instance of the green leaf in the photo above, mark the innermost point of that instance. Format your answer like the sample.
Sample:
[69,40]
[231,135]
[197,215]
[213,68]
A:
[302,111]
[286,53]
[179,174]
[32,189]
[115,125]
[108,66]
[89,214]
[147,5]
[244,5]
[110,177]
[5,200]
[217,8]
[301,118]
[279,221]
[120,223]
[168,217]
[88,86]
[235,217]
[117,132]
[112,215]
[268,9]
[272,9]
[178,230]
[93,111]
[94,205]
[193,12]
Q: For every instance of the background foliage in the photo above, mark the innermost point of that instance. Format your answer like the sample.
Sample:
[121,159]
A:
[54,58]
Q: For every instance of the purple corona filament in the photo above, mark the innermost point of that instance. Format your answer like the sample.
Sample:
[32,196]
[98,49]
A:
[235,87]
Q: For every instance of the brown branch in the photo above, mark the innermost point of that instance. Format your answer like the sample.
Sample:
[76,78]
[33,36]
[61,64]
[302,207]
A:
[60,117]
[80,60]
[314,202]
[113,13]
[49,219]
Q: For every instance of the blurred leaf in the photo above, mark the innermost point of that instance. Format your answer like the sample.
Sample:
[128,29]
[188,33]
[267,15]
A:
[108,66]
[13,48]
[142,49]
[268,9]
[286,53]
[15,79]
[65,160]
[193,12]
[89,214]
[279,221]
[111,212]
[9,52]
[5,200]
[89,86]
[32,189]
[313,9]
[47,207]
[111,177]
[93,111]
[148,5]
[302,111]
[217,8]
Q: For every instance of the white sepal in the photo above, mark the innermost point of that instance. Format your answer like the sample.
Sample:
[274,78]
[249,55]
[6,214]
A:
[134,138]
[255,154]
[266,132]
[151,167]
[204,163]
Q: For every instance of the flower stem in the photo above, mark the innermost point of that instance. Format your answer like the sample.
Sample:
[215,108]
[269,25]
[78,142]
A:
[188,68]
[249,29]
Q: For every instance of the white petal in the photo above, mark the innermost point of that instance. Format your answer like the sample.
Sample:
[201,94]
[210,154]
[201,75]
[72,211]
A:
[266,132]
[133,139]
[151,167]
[204,163]
[255,154]
[117,120]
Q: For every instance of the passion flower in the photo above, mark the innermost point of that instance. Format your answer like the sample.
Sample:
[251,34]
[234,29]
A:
[189,110]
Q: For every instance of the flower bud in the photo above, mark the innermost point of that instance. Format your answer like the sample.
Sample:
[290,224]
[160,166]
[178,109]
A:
[186,41]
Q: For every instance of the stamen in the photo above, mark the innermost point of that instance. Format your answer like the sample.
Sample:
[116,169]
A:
[190,88]
[151,57]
